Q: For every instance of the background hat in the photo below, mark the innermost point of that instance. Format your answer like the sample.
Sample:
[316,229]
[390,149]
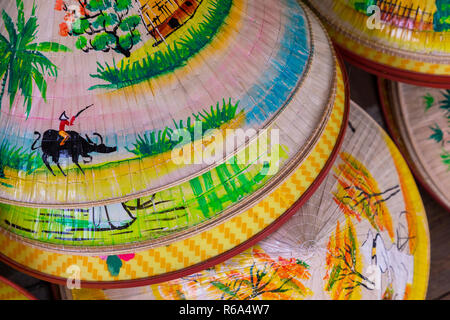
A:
[418,119]
[11,291]
[403,40]
[63,116]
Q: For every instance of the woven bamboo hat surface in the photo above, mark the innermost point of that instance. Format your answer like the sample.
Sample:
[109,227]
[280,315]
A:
[11,291]
[419,117]
[308,125]
[147,259]
[106,101]
[122,268]
[362,235]
[405,40]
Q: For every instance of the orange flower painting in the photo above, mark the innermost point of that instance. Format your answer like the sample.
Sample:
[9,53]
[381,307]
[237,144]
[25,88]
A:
[174,291]
[259,277]
[343,264]
[358,194]
[267,279]
[63,29]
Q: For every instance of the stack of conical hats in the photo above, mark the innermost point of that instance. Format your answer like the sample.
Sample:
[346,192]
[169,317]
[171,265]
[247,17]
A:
[174,148]
[362,235]
[403,40]
[142,143]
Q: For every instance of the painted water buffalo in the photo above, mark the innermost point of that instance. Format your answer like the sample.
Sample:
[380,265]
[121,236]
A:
[75,147]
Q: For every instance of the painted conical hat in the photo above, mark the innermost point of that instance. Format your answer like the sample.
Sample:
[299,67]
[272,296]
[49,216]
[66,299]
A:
[363,235]
[420,118]
[204,247]
[107,102]
[407,40]
[11,291]
[191,207]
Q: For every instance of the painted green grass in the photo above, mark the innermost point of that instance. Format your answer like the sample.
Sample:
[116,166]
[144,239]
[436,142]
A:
[173,57]
[437,132]
[158,142]
[217,117]
[18,159]
[153,143]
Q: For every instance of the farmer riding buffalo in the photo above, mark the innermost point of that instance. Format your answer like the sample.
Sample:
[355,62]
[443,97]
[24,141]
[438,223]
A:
[62,143]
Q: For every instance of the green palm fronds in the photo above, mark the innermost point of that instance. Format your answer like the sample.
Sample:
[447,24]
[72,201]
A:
[153,143]
[438,134]
[18,159]
[445,104]
[22,64]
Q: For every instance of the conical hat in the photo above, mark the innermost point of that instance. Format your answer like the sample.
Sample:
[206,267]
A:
[117,266]
[363,235]
[406,40]
[11,291]
[419,116]
[190,207]
[147,85]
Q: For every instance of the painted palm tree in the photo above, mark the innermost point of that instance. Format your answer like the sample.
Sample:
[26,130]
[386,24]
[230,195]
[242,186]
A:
[22,64]
[445,104]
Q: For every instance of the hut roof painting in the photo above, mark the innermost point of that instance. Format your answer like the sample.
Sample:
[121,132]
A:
[163,17]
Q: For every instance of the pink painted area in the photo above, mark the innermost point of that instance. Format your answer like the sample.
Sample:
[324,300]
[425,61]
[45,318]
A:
[126,257]
[123,257]
[229,72]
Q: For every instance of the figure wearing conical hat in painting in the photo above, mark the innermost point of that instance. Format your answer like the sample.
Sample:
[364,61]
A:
[64,121]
